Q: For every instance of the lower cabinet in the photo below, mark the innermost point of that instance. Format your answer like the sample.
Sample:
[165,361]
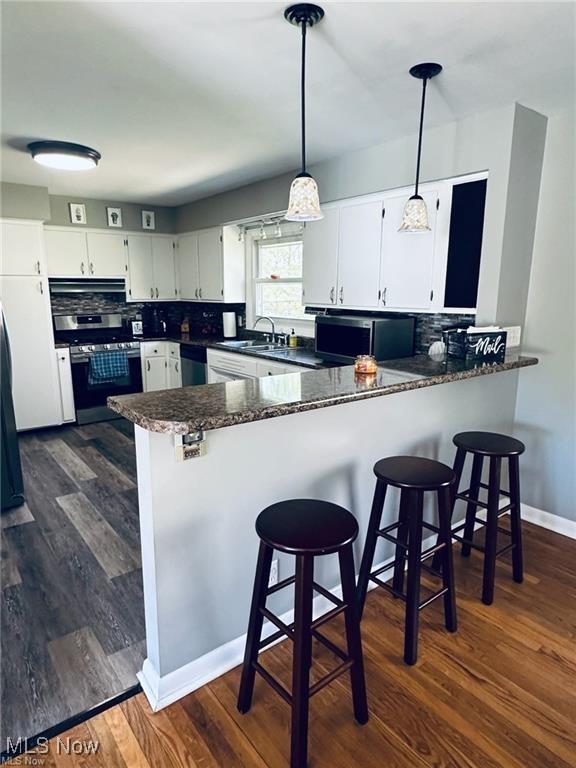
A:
[35,389]
[161,367]
[231,366]
[68,410]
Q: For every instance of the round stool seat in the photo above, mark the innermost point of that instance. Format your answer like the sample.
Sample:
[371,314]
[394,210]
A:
[489,444]
[414,472]
[306,526]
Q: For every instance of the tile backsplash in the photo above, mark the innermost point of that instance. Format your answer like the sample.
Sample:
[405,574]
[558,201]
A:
[429,328]
[205,319]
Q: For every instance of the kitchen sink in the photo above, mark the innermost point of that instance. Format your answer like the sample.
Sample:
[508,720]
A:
[249,344]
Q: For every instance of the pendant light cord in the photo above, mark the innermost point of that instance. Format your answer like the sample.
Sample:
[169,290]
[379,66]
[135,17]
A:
[303,95]
[424,81]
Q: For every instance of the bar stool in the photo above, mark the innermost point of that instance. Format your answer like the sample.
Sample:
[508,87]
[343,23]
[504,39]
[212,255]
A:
[306,528]
[413,476]
[495,447]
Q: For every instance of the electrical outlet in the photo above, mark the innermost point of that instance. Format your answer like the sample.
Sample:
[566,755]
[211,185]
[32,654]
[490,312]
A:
[273,574]
[514,334]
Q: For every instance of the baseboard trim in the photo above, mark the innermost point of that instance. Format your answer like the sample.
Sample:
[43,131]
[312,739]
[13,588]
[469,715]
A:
[165,690]
[555,523]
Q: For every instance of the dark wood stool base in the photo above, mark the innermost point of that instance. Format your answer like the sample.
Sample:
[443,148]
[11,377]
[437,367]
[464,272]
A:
[288,526]
[413,476]
[494,448]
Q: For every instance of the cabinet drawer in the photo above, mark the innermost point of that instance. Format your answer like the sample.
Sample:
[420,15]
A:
[151,348]
[232,361]
[173,349]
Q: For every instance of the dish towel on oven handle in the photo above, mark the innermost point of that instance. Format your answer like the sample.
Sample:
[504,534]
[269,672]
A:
[108,366]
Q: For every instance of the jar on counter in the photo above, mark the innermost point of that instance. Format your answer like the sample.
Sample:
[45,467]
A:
[365,364]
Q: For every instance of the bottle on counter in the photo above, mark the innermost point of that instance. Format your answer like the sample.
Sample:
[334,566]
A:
[185,326]
[293,339]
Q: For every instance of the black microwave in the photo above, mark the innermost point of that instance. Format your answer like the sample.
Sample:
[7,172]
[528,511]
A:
[340,338]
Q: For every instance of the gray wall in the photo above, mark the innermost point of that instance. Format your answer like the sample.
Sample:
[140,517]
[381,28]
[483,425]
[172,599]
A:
[546,404]
[96,213]
[497,140]
[23,201]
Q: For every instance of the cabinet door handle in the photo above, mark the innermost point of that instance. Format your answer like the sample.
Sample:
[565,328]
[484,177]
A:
[200,292]
[332,294]
[342,295]
[156,292]
[41,287]
[91,268]
[82,267]
[176,366]
[384,296]
[196,293]
[151,293]
[38,267]
[147,365]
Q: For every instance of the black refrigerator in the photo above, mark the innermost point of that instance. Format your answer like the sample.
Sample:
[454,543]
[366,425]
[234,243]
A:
[11,483]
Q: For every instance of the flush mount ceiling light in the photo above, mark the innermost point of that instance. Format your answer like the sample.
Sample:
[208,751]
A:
[63,155]
[304,204]
[415,218]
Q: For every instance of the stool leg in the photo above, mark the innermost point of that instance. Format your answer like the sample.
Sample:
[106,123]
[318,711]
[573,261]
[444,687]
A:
[302,659]
[475,480]
[515,519]
[370,545]
[413,583]
[254,627]
[458,467]
[491,530]
[346,558]
[398,580]
[445,496]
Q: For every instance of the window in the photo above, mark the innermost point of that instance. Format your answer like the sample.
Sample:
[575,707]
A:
[278,278]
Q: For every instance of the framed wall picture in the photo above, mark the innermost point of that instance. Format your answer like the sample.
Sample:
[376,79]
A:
[77,213]
[114,216]
[148,220]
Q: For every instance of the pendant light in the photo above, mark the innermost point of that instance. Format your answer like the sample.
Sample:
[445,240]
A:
[64,155]
[415,218]
[304,204]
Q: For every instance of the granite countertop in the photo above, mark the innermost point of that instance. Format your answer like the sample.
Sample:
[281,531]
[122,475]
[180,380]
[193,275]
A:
[213,406]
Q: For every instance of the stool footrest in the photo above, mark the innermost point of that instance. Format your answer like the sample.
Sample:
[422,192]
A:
[393,539]
[431,551]
[328,595]
[270,639]
[281,585]
[278,687]
[430,527]
[324,681]
[330,645]
[429,569]
[386,586]
[465,496]
[433,597]
[505,549]
[501,492]
[328,616]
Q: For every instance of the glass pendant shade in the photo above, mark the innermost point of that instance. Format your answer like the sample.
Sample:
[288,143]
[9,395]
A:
[415,218]
[304,204]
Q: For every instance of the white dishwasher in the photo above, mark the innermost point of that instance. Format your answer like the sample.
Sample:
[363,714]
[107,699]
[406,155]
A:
[229,366]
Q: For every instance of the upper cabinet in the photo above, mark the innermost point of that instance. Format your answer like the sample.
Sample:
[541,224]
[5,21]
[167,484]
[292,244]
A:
[151,268]
[73,253]
[320,264]
[407,264]
[211,265]
[22,251]
[355,257]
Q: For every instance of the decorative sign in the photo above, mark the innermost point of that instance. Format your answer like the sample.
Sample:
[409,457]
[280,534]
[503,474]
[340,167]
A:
[490,345]
[148,220]
[77,213]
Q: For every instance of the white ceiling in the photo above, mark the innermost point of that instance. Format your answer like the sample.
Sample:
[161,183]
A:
[187,99]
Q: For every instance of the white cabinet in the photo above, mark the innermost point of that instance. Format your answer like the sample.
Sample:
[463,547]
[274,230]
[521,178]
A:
[68,411]
[161,366]
[233,366]
[187,266]
[407,266]
[320,254]
[35,389]
[106,254]
[140,268]
[73,253]
[211,265]
[163,267]
[66,252]
[22,250]
[359,245]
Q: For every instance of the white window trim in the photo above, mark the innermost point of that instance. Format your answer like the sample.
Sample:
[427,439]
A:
[302,327]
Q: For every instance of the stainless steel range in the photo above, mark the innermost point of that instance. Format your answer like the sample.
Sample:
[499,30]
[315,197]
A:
[97,372]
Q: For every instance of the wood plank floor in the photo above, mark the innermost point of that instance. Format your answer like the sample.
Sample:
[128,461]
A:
[71,604]
[501,693]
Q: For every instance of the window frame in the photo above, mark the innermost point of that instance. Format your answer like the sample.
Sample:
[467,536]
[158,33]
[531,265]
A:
[302,326]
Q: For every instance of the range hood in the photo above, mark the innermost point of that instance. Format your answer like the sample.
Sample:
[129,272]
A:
[87,285]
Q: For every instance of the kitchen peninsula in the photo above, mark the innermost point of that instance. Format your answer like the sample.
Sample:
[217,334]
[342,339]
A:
[197,516]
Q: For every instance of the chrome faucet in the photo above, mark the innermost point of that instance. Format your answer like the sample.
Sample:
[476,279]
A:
[265,317]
